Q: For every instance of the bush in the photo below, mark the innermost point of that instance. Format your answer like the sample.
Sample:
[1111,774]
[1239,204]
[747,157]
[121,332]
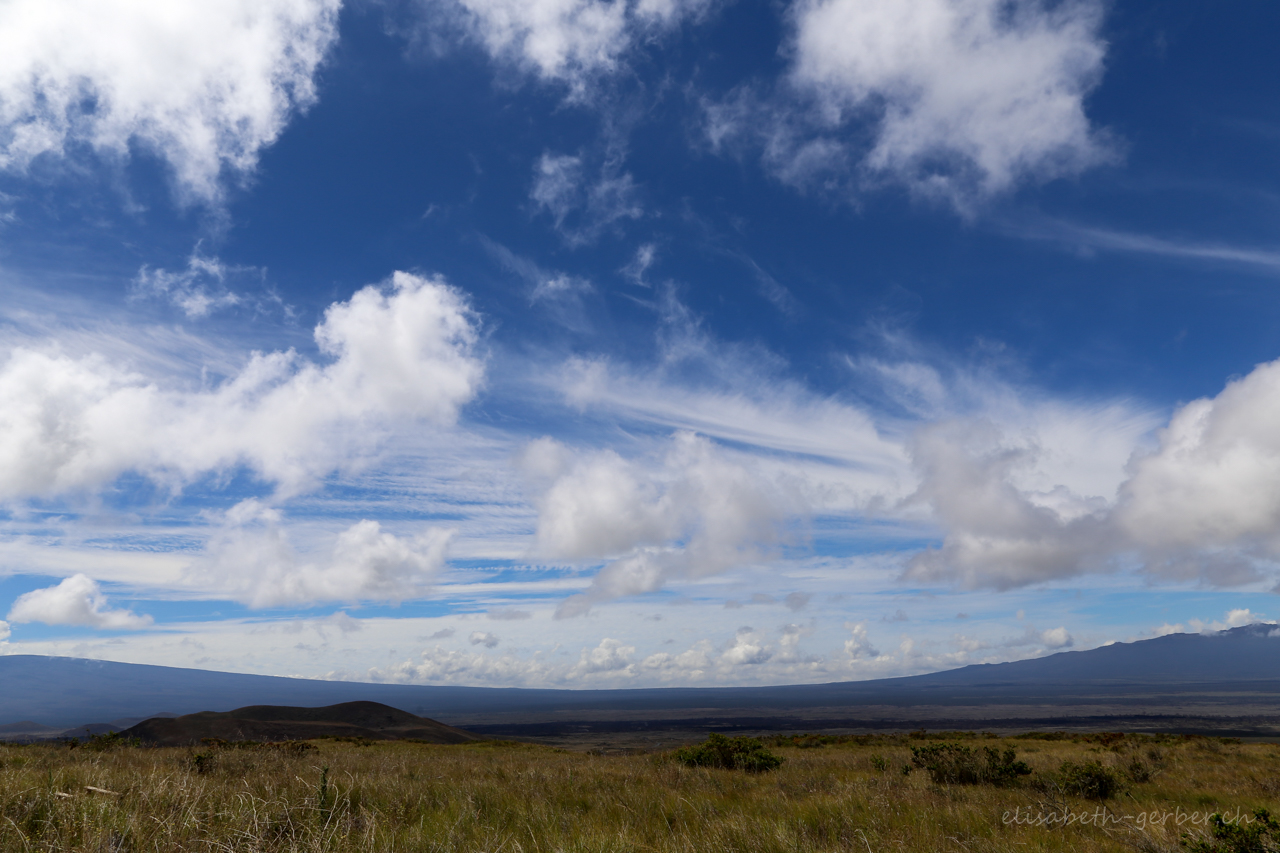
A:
[954,764]
[105,742]
[738,753]
[1261,835]
[1138,770]
[1090,780]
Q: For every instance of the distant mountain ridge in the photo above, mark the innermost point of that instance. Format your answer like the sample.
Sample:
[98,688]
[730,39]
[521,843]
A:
[370,720]
[65,692]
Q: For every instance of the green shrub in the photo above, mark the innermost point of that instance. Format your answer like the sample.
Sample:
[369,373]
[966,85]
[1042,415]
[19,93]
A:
[1089,779]
[1138,770]
[105,742]
[738,753]
[1261,835]
[954,764]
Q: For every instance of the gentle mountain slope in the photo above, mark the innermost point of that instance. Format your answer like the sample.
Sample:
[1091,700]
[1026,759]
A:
[67,691]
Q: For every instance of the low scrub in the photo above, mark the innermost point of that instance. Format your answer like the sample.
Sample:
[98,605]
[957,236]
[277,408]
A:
[1261,834]
[1089,779]
[730,753]
[956,764]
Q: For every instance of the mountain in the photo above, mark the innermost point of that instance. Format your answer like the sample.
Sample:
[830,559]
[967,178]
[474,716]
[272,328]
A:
[1222,672]
[370,720]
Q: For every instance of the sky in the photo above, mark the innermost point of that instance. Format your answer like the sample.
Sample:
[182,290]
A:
[619,343]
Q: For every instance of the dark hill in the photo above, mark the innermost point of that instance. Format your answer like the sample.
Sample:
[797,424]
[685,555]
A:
[370,720]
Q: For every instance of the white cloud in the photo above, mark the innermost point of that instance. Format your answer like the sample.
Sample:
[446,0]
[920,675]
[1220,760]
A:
[1236,618]
[1057,638]
[199,290]
[4,631]
[344,622]
[639,265]
[203,85]
[858,646]
[75,601]
[1207,500]
[694,514]
[1203,503]
[482,638]
[958,99]
[1242,616]
[997,535]
[572,42]
[748,649]
[796,601]
[400,354]
[611,656]
[584,203]
[977,92]
[251,559]
[692,664]
[557,293]
[447,666]
[509,615]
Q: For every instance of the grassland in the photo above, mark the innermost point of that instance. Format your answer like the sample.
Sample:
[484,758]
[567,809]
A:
[828,795]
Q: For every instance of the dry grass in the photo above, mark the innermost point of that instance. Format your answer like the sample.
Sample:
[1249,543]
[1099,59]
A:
[513,797]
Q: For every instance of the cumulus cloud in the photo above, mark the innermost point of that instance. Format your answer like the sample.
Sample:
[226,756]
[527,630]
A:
[610,660]
[611,656]
[205,86]
[75,601]
[251,559]
[1201,502]
[439,665]
[749,655]
[1207,500]
[1057,638]
[571,42]
[858,646]
[955,98]
[693,514]
[747,649]
[482,638]
[693,663]
[1236,618]
[398,354]
[997,535]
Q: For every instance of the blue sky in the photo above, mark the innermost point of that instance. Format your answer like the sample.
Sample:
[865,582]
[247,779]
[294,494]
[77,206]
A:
[586,343]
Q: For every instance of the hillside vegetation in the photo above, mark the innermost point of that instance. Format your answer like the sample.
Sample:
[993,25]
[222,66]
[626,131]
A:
[901,793]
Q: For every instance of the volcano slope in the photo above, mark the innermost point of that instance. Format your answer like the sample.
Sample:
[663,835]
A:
[369,720]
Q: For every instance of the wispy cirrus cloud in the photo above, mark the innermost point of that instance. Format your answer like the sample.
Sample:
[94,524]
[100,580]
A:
[1110,240]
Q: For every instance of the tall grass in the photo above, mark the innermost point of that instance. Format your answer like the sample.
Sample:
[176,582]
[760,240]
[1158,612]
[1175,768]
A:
[827,796]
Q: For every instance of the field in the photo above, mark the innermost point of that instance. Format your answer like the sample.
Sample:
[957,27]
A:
[830,794]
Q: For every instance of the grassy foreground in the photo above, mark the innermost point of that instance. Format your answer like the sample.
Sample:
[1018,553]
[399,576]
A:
[828,795]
